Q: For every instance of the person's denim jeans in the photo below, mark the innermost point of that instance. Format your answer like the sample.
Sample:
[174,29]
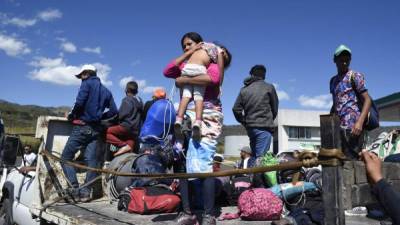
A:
[260,141]
[395,158]
[83,138]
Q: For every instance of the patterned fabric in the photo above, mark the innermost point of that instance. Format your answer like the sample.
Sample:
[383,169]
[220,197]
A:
[345,99]
[386,144]
[200,154]
[212,51]
[259,204]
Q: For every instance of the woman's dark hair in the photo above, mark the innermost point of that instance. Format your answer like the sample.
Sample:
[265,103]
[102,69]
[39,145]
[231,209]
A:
[228,59]
[192,36]
[132,87]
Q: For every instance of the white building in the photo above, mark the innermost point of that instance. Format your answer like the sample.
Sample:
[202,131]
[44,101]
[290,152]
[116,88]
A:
[296,129]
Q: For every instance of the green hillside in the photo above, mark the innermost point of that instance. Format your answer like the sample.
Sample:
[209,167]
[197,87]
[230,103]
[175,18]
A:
[21,119]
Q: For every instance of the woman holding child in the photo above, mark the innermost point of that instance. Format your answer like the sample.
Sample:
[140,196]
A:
[200,151]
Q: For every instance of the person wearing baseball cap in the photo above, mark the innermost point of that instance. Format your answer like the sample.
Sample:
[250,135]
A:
[346,86]
[246,160]
[86,69]
[88,111]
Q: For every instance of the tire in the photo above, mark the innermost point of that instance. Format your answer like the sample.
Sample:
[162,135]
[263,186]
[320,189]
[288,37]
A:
[7,210]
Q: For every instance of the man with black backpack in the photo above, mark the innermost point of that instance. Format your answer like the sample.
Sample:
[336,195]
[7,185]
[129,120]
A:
[348,90]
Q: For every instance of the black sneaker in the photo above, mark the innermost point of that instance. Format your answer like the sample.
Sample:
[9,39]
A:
[185,219]
[85,195]
[208,220]
[178,131]
[196,131]
[72,195]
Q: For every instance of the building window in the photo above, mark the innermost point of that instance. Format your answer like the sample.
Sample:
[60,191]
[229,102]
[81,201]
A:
[300,132]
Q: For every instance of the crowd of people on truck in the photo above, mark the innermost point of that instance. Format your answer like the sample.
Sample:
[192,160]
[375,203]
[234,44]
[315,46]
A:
[193,130]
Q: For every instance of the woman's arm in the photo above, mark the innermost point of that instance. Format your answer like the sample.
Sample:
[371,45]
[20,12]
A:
[173,69]
[212,78]
[201,80]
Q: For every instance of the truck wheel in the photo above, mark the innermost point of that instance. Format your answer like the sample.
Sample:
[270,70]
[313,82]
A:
[7,210]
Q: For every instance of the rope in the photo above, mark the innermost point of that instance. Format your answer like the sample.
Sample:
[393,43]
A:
[282,166]
[331,153]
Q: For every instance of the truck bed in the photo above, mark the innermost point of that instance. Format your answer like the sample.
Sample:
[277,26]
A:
[101,212]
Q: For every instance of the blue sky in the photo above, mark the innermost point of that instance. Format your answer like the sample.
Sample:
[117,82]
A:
[42,43]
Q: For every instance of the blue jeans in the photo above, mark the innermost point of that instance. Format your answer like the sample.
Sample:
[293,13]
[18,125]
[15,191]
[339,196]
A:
[83,138]
[260,141]
[395,158]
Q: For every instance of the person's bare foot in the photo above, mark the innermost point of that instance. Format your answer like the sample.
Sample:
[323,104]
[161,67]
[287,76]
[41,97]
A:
[122,150]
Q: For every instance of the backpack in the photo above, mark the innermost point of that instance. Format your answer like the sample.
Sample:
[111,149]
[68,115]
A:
[237,186]
[149,200]
[270,177]
[148,164]
[259,204]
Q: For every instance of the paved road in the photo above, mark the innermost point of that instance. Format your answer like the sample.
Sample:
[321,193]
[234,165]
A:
[111,216]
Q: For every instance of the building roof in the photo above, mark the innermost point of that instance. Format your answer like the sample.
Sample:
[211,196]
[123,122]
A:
[393,98]
[389,107]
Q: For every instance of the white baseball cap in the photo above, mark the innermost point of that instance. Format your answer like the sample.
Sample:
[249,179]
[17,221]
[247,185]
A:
[86,67]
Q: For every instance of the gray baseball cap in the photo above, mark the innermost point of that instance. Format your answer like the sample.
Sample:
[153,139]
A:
[246,149]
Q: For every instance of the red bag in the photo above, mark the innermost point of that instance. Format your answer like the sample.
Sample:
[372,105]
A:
[153,199]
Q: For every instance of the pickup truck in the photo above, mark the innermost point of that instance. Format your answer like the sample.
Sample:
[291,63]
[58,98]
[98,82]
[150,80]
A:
[28,198]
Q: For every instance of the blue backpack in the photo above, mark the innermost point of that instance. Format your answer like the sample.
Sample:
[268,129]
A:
[159,121]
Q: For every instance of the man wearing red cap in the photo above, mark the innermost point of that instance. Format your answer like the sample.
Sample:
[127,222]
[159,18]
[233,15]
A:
[158,93]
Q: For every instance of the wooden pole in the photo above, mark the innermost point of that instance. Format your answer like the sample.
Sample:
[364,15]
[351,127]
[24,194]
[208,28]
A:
[332,178]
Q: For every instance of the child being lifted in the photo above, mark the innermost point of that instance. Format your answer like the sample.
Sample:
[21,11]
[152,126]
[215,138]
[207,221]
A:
[203,54]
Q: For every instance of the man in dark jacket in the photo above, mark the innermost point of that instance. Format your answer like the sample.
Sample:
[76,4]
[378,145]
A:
[158,93]
[92,100]
[246,161]
[125,134]
[255,108]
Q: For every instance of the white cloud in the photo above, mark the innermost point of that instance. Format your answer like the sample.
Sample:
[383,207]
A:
[319,101]
[103,70]
[96,50]
[12,46]
[142,84]
[19,22]
[49,15]
[58,72]
[68,47]
[282,95]
[136,62]
[46,15]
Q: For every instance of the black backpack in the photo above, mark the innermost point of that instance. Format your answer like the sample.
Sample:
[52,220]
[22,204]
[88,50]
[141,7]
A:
[237,186]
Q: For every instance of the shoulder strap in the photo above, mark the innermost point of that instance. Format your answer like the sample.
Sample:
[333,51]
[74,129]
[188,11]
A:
[353,83]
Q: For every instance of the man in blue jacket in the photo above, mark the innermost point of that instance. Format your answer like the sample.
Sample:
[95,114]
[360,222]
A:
[92,100]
